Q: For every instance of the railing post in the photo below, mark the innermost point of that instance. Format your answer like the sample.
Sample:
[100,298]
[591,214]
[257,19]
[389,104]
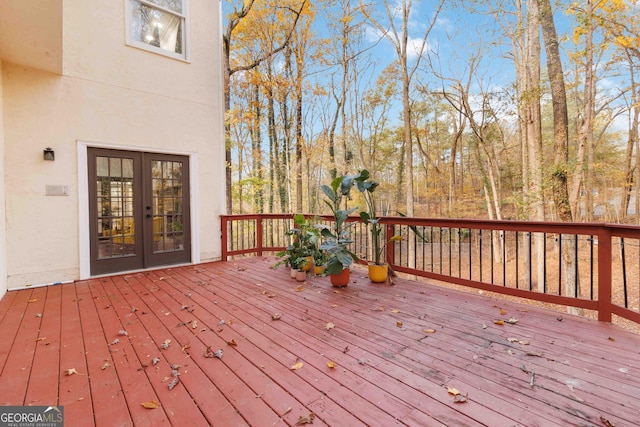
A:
[259,235]
[604,274]
[391,247]
[225,238]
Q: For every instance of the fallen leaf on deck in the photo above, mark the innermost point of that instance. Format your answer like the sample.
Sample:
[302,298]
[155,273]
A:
[41,339]
[105,365]
[331,364]
[232,342]
[513,339]
[155,361]
[329,326]
[378,309]
[512,320]
[498,321]
[123,333]
[399,324]
[334,305]
[484,326]
[211,354]
[173,383]
[429,331]
[275,317]
[612,339]
[503,312]
[114,342]
[534,354]
[271,296]
[194,324]
[185,347]
[166,343]
[72,371]
[307,419]
[395,311]
[33,300]
[300,288]
[605,421]
[297,366]
[152,404]
[453,391]
[458,398]
[345,349]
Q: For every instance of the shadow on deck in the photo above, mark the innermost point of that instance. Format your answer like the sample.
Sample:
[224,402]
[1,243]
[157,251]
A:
[399,351]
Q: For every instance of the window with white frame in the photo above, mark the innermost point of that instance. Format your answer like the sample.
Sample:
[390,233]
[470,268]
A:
[158,25]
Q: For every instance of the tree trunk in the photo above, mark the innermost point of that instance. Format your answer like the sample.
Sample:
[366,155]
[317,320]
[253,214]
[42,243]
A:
[561,146]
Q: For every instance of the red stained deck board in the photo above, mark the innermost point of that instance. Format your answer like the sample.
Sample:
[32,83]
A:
[240,394]
[414,395]
[281,373]
[319,329]
[43,384]
[105,393]
[136,385]
[17,370]
[12,308]
[263,387]
[75,399]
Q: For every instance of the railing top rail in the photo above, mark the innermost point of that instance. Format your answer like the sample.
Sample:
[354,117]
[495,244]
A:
[593,228]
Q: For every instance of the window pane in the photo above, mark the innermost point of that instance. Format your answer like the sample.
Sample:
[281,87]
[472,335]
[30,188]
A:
[102,166]
[155,27]
[175,5]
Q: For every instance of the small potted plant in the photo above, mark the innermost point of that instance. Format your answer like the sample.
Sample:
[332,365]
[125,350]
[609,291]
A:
[299,253]
[319,261]
[339,257]
[299,267]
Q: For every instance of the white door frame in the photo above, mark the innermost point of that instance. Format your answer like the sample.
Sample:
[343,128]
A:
[84,255]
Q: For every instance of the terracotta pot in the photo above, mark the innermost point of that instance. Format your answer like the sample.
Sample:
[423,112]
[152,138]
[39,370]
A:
[341,279]
[301,275]
[378,273]
[293,273]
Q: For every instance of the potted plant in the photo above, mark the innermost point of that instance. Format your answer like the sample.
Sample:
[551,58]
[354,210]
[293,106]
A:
[320,259]
[379,268]
[304,238]
[299,266]
[339,257]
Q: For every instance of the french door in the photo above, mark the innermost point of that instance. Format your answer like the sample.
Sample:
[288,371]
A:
[138,210]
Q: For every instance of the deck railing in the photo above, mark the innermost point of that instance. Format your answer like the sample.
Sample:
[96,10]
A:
[589,266]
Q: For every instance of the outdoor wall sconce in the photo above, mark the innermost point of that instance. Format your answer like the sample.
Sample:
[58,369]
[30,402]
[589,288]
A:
[49,154]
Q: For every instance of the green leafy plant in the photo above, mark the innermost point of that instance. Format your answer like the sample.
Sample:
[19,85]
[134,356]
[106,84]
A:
[368,187]
[337,236]
[304,242]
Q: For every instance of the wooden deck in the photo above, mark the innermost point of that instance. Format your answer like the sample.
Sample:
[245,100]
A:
[390,369]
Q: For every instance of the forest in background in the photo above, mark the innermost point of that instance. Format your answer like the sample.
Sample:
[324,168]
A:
[465,109]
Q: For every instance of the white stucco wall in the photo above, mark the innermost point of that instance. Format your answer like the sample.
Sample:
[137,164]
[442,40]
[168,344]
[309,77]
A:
[110,95]
[3,228]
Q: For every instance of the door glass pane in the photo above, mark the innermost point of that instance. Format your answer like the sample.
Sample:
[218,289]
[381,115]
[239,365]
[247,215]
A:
[167,209]
[114,199]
